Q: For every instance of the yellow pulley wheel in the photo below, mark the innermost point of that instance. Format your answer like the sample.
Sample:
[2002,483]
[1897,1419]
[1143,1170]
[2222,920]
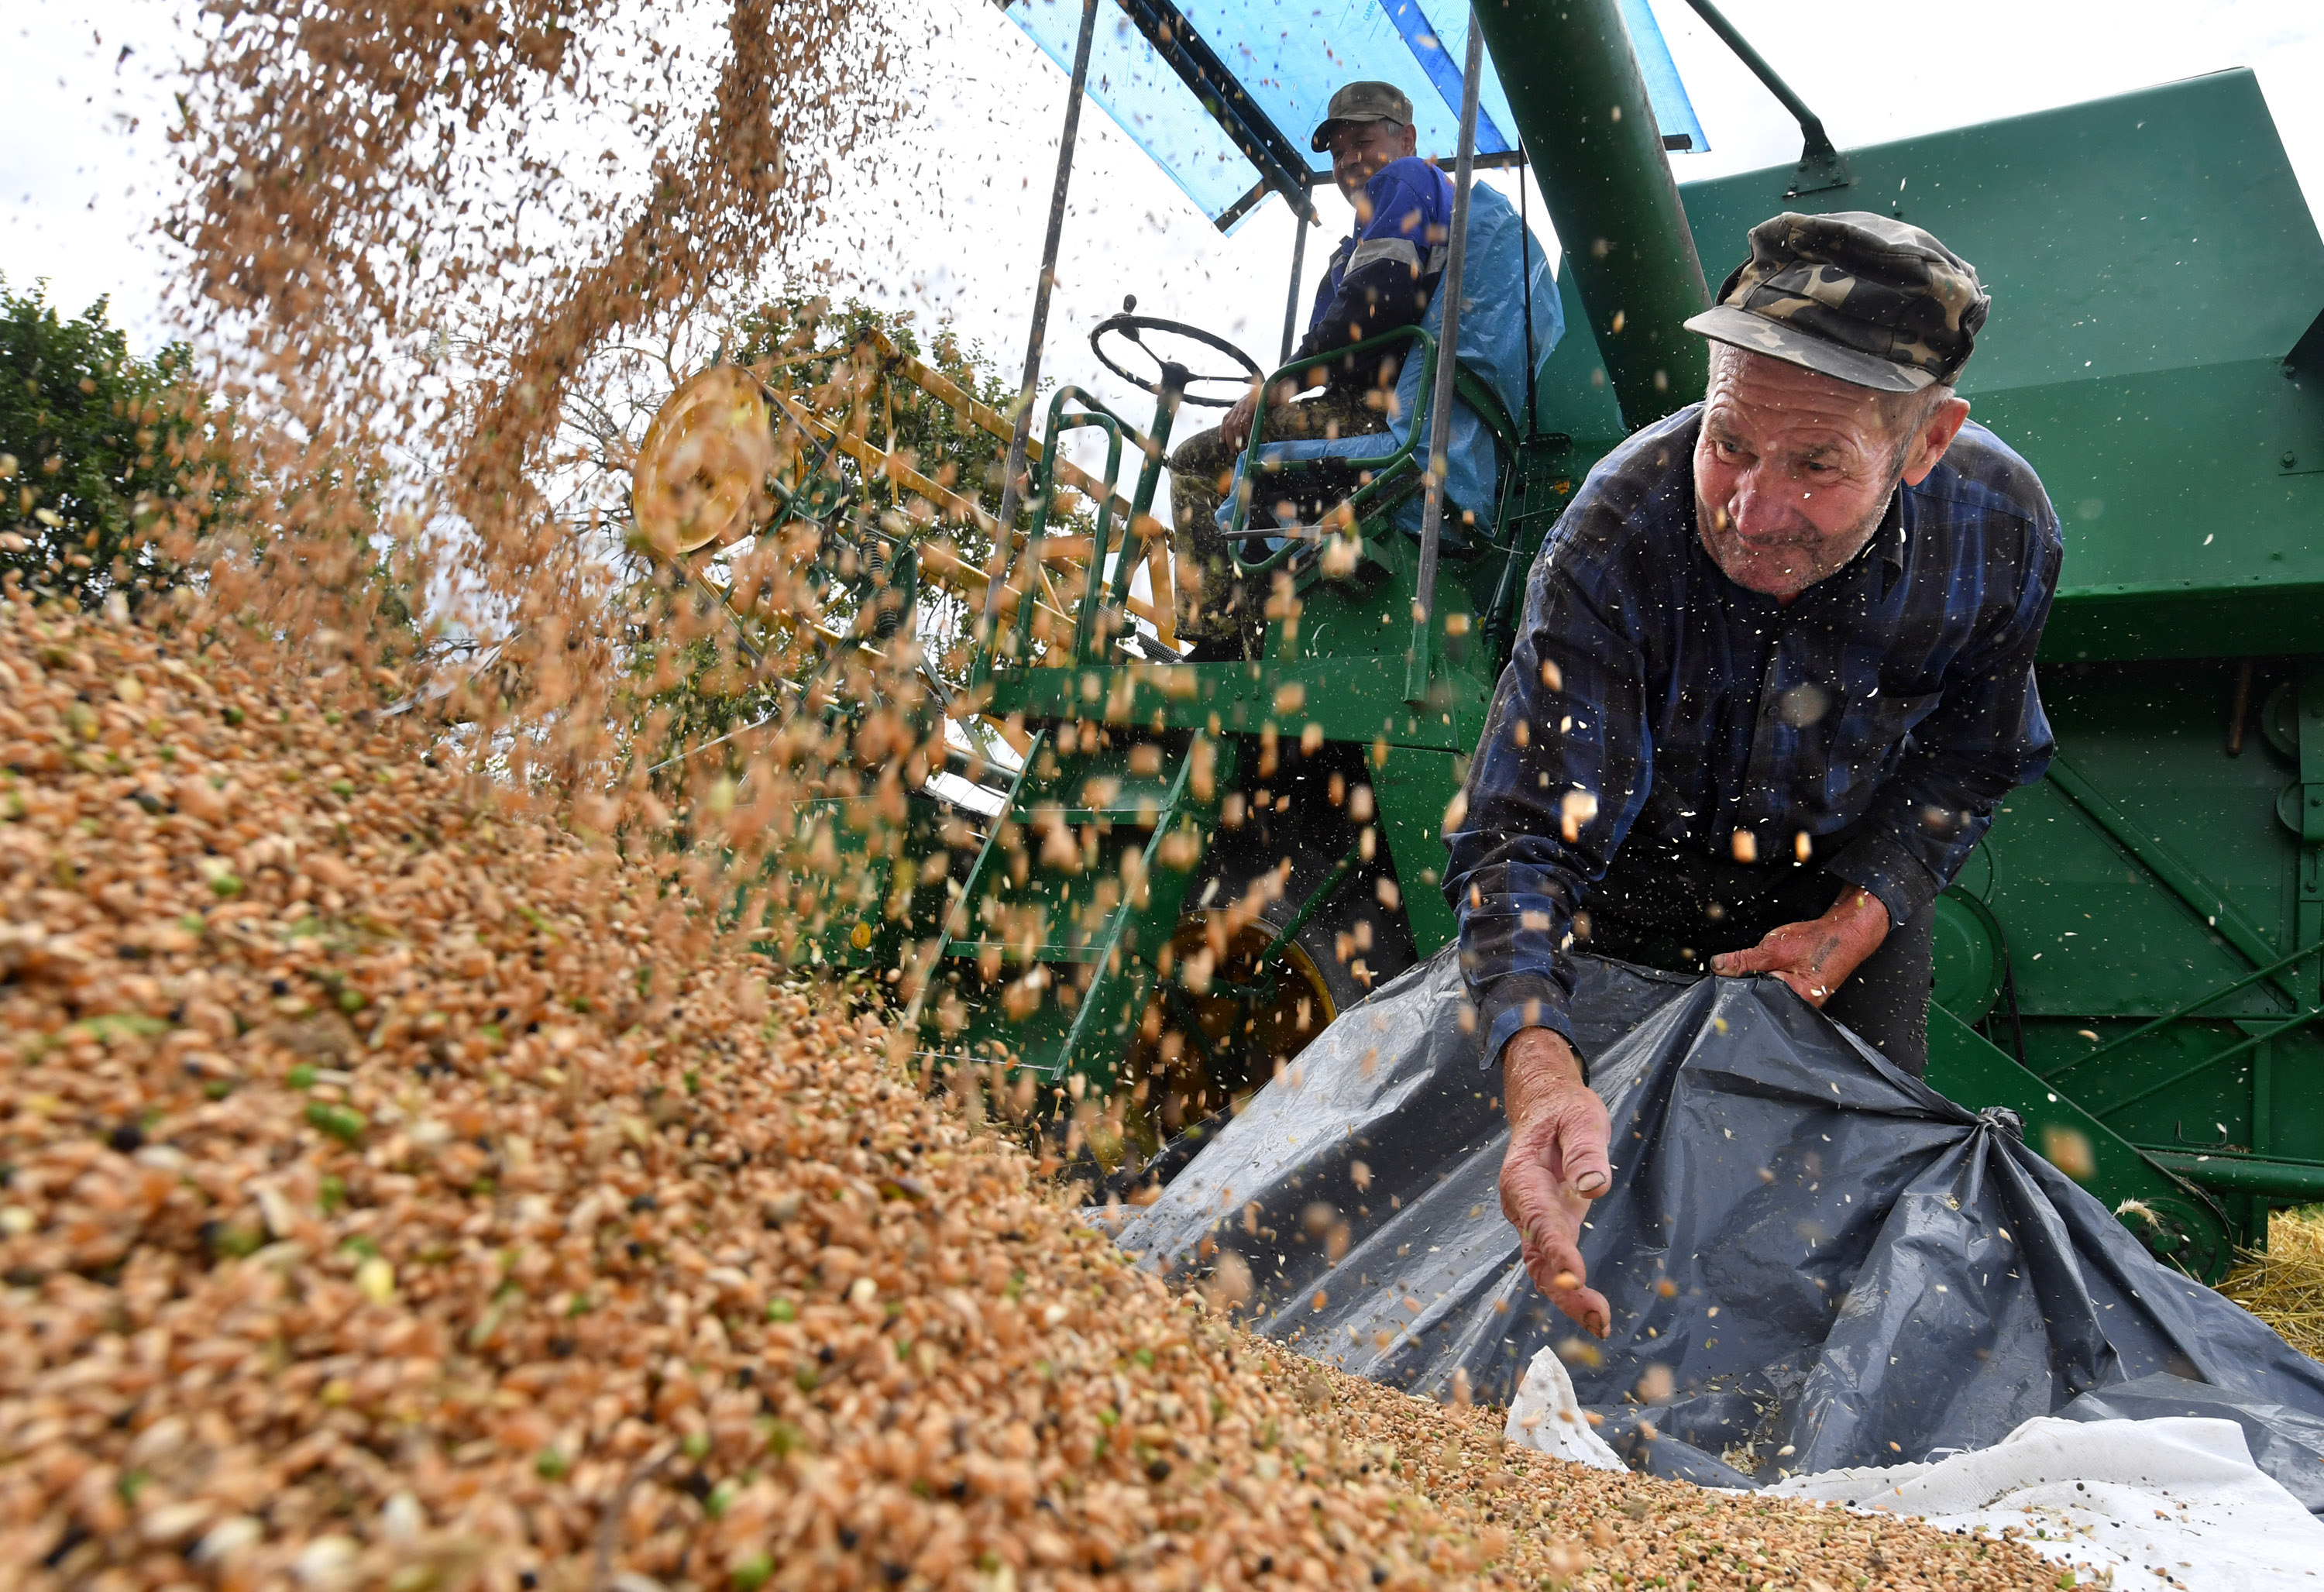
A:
[701,476]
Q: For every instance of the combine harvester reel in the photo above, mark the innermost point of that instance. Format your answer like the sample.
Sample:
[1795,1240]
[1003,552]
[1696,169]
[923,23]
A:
[1061,903]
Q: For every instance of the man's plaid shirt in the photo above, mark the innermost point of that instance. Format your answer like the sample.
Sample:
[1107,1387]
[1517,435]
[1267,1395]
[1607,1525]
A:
[1891,705]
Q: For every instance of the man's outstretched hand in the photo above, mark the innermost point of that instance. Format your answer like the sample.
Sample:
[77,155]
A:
[1815,958]
[1555,1165]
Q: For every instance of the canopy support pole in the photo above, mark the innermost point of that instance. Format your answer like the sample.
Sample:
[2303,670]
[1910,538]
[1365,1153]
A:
[1440,404]
[1299,262]
[1026,389]
[1524,273]
[1820,165]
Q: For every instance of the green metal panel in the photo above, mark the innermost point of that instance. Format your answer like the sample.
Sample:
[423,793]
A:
[2152,263]
[2092,931]
[1574,395]
[2152,870]
[2188,533]
[1413,788]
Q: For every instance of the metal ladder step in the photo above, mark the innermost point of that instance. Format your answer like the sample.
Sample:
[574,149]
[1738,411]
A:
[1094,915]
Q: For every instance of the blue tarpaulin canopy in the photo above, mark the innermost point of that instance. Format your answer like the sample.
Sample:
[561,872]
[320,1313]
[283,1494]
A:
[1268,69]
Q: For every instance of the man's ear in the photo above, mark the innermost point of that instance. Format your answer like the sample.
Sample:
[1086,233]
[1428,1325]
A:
[1411,140]
[1934,436]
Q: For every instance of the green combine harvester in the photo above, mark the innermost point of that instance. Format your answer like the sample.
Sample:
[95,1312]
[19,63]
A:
[1185,869]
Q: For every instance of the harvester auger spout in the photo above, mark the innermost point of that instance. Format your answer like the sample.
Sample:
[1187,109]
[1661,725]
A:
[1178,871]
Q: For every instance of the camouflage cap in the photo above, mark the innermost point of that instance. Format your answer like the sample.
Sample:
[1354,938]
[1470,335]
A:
[1362,102]
[1861,297]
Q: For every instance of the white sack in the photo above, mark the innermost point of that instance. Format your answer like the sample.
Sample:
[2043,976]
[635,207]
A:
[2117,1500]
[2177,1495]
[1544,1415]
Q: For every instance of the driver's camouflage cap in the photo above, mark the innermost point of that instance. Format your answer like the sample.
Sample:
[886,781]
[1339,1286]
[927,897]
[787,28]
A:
[1865,297]
[1362,102]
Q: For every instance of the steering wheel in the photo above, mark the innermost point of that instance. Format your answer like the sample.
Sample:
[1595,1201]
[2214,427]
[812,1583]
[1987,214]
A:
[1173,374]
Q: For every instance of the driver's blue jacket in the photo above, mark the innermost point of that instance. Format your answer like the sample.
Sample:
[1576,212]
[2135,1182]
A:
[1384,272]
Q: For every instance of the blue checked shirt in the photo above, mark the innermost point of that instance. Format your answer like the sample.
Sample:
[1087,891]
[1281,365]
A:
[1892,706]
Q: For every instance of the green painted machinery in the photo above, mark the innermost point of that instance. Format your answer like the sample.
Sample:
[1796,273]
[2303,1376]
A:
[1199,863]
[2132,954]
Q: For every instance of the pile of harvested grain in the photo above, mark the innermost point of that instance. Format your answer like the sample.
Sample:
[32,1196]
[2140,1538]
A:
[401,1192]
[2283,1285]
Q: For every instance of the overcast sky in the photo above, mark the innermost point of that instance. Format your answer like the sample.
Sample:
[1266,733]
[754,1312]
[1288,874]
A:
[83,166]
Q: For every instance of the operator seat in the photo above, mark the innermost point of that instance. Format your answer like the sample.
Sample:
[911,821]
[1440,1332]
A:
[1502,263]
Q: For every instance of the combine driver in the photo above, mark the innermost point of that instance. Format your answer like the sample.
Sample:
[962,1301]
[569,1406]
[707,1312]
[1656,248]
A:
[1776,670]
[1381,276]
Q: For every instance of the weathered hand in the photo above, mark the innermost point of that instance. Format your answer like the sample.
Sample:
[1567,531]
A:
[1235,429]
[1815,958]
[1555,1165]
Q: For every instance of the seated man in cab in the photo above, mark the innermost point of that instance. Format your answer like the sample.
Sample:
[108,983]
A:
[1381,276]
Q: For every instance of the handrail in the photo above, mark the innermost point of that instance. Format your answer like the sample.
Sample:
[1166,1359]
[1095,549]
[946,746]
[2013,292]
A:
[990,421]
[1045,477]
[1440,407]
[876,462]
[1388,471]
[1384,469]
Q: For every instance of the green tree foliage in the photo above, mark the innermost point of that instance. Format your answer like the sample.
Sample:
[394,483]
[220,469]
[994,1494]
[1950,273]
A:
[111,467]
[834,355]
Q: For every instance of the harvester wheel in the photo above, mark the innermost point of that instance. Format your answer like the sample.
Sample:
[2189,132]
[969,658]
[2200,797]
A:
[1222,1022]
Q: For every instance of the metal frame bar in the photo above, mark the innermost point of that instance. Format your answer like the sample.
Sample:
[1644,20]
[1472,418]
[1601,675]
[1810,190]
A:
[2109,1107]
[1106,959]
[2200,895]
[1291,301]
[1440,418]
[946,935]
[2189,1010]
[2298,1180]
[1822,166]
[1031,385]
[1493,161]
[1253,132]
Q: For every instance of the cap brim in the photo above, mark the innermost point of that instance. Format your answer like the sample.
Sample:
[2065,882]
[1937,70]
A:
[1322,141]
[1755,333]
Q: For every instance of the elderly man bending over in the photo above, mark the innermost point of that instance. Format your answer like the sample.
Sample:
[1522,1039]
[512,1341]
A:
[1381,276]
[1774,673]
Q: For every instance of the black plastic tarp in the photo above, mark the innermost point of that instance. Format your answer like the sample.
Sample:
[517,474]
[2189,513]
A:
[1831,1264]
